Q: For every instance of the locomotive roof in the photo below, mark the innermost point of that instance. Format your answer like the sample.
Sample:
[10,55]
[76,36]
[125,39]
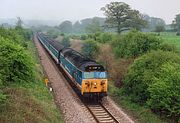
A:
[54,43]
[78,59]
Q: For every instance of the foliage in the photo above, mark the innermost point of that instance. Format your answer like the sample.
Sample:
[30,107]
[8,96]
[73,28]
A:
[178,34]
[104,37]
[65,41]
[153,22]
[53,33]
[176,22]
[90,48]
[65,27]
[94,27]
[153,79]
[15,65]
[159,28]
[134,44]
[83,37]
[122,17]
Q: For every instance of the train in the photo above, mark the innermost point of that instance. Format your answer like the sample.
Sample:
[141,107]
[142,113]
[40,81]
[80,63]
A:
[89,77]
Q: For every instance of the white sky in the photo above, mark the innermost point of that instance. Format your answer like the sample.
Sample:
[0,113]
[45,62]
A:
[79,9]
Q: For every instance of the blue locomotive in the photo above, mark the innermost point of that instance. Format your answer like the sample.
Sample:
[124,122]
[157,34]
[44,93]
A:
[87,75]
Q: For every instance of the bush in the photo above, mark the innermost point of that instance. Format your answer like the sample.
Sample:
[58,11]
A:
[153,79]
[104,37]
[165,90]
[18,36]
[134,44]
[178,33]
[90,48]
[65,41]
[83,37]
[16,64]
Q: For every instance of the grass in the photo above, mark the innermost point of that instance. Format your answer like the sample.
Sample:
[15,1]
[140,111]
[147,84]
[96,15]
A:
[140,114]
[171,38]
[30,102]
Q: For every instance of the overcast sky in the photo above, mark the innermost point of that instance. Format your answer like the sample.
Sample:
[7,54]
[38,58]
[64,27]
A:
[80,9]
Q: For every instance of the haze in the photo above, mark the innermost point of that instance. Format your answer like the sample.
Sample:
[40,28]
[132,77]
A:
[79,9]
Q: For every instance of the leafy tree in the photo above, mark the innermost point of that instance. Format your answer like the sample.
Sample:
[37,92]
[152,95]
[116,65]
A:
[66,27]
[176,22]
[77,27]
[90,48]
[122,17]
[94,27]
[19,23]
[159,28]
[153,22]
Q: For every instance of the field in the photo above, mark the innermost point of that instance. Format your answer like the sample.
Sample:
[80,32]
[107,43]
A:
[171,38]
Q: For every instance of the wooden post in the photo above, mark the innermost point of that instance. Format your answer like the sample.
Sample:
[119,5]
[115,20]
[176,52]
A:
[46,81]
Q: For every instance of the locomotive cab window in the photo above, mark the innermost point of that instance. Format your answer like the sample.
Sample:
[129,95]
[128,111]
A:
[97,75]
[88,75]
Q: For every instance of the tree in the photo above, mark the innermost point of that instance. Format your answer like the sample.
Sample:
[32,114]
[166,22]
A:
[159,28]
[119,15]
[77,27]
[94,26]
[19,23]
[66,27]
[176,22]
[153,22]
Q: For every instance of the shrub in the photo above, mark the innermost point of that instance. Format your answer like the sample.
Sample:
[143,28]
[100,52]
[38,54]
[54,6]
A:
[90,48]
[104,37]
[165,90]
[178,33]
[16,64]
[153,79]
[83,37]
[19,36]
[134,44]
[65,41]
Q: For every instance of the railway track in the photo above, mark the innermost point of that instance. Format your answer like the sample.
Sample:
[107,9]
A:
[100,113]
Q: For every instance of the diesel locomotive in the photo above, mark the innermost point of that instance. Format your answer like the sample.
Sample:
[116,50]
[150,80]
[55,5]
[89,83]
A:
[88,76]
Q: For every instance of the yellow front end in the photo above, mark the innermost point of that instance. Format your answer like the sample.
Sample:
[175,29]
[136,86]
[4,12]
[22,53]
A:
[94,86]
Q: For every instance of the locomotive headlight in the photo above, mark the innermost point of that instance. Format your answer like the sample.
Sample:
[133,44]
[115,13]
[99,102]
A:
[95,83]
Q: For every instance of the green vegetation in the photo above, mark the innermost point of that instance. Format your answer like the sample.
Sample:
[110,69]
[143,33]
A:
[90,48]
[153,80]
[134,44]
[23,96]
[141,114]
[65,41]
[121,17]
[16,63]
[171,38]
